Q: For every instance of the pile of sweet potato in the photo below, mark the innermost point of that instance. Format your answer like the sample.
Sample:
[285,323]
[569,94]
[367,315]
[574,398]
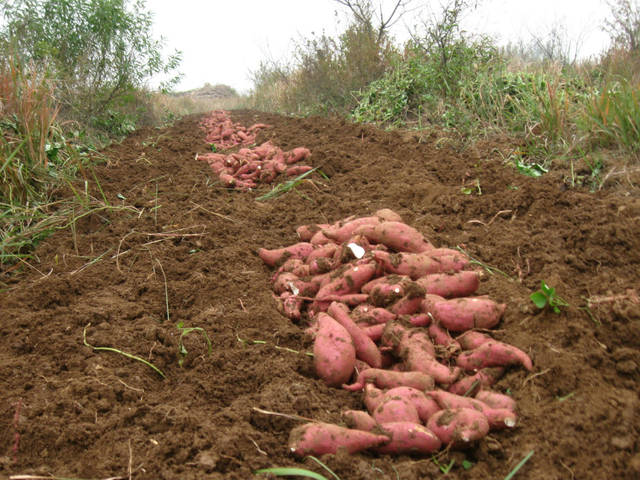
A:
[383,303]
[248,167]
[224,134]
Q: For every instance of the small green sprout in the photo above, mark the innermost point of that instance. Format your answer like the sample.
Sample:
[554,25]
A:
[182,351]
[547,296]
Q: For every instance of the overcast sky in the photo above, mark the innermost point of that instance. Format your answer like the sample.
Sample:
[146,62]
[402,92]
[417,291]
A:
[223,41]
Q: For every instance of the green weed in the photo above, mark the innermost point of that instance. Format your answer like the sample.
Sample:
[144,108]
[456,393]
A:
[547,296]
[184,331]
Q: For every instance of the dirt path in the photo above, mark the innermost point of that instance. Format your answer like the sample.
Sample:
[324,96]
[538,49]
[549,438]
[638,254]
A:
[97,414]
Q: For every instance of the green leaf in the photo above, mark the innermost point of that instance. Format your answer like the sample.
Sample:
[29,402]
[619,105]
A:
[292,472]
[467,465]
[539,299]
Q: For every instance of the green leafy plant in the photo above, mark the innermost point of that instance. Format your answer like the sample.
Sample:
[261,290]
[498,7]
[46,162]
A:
[285,187]
[547,296]
[182,350]
[299,472]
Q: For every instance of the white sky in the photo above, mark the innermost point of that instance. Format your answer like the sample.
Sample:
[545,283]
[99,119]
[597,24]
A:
[222,41]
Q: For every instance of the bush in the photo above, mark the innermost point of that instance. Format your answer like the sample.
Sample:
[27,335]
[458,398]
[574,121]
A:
[100,52]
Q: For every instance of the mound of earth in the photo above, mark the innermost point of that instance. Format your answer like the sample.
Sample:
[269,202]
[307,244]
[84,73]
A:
[174,247]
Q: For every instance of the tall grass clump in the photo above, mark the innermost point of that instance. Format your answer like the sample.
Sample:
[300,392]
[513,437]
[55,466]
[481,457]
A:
[34,156]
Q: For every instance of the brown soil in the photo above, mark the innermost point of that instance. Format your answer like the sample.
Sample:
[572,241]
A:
[70,411]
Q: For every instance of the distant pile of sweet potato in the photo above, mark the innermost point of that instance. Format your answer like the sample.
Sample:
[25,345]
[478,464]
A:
[247,167]
[382,302]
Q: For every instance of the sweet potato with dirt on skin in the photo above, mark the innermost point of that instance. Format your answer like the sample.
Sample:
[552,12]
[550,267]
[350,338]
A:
[424,405]
[372,396]
[419,320]
[407,305]
[289,305]
[319,238]
[461,314]
[289,282]
[384,280]
[295,266]
[297,154]
[395,235]
[359,419]
[387,215]
[297,170]
[441,337]
[408,438]
[496,400]
[278,256]
[451,285]
[493,354]
[324,251]
[348,281]
[417,265]
[383,294]
[458,426]
[366,349]
[497,418]
[374,332]
[473,383]
[367,313]
[472,339]
[342,231]
[390,379]
[322,438]
[351,299]
[334,355]
[395,409]
[305,232]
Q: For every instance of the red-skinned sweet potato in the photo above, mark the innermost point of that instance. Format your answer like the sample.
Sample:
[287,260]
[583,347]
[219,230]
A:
[305,232]
[322,438]
[349,281]
[441,337]
[493,354]
[372,396]
[451,285]
[483,378]
[359,419]
[278,256]
[496,400]
[289,305]
[334,355]
[366,349]
[390,379]
[395,409]
[367,313]
[497,418]
[395,235]
[471,339]
[417,265]
[374,332]
[325,251]
[461,314]
[408,438]
[458,426]
[424,405]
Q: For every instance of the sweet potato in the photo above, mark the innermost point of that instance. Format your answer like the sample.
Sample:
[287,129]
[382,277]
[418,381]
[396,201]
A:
[383,294]
[341,232]
[372,396]
[278,256]
[450,285]
[408,438]
[366,313]
[461,314]
[351,299]
[297,170]
[395,409]
[496,400]
[424,405]
[334,355]
[417,265]
[419,320]
[383,280]
[289,305]
[395,235]
[458,426]
[390,379]
[289,282]
[305,232]
[498,418]
[493,354]
[483,378]
[297,154]
[358,419]
[325,251]
[374,332]
[441,337]
[388,215]
[349,281]
[471,339]
[366,349]
[320,239]
[322,438]
[407,305]
[295,266]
